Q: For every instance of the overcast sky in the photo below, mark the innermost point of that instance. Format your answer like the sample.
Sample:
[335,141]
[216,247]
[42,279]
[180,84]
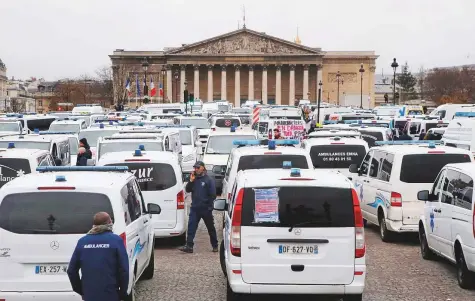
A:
[67,38]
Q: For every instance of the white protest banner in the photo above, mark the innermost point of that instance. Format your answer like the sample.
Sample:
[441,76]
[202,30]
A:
[290,129]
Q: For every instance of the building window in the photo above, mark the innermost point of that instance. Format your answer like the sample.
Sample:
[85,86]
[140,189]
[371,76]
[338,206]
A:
[40,103]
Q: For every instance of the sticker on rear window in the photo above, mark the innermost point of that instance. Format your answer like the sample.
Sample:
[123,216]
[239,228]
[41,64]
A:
[266,205]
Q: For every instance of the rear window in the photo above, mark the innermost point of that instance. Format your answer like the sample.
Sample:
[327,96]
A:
[428,166]
[302,207]
[153,176]
[52,212]
[271,161]
[11,168]
[336,156]
[371,137]
[227,123]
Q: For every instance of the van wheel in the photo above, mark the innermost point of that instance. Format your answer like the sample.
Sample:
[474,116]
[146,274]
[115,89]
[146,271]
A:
[358,297]
[232,296]
[222,258]
[464,276]
[149,270]
[131,296]
[365,223]
[383,231]
[426,252]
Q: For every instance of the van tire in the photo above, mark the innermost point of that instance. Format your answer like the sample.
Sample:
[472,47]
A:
[150,269]
[222,258]
[426,252]
[465,277]
[232,296]
[384,233]
[357,297]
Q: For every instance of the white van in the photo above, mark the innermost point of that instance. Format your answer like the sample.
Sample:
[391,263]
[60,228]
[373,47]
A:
[292,231]
[50,211]
[201,124]
[159,177]
[87,109]
[93,134]
[144,142]
[11,127]
[70,125]
[447,111]
[390,176]
[448,225]
[224,122]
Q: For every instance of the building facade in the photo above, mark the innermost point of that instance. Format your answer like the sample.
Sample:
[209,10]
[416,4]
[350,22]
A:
[249,65]
[3,81]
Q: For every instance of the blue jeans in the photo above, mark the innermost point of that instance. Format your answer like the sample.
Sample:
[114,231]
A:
[194,219]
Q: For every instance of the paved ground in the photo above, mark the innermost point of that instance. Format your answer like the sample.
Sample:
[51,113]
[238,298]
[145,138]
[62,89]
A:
[396,272]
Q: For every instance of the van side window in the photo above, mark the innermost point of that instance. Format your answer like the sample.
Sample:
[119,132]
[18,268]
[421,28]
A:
[386,167]
[131,201]
[449,185]
[438,184]
[229,165]
[167,144]
[137,200]
[365,164]
[124,192]
[231,200]
[139,195]
[464,192]
[376,163]
[83,125]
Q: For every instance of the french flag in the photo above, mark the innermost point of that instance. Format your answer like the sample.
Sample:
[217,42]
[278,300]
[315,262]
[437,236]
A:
[160,89]
[153,90]
[127,86]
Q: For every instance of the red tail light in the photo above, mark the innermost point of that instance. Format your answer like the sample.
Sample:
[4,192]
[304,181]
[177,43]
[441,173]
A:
[213,129]
[360,246]
[436,152]
[337,143]
[56,188]
[137,160]
[124,238]
[180,200]
[235,242]
[396,199]
[272,153]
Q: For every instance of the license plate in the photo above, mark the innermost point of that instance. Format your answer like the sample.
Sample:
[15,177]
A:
[298,249]
[53,269]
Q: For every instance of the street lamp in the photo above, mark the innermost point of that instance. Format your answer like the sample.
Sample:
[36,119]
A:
[320,84]
[185,96]
[164,72]
[394,65]
[176,86]
[145,65]
[338,75]
[361,72]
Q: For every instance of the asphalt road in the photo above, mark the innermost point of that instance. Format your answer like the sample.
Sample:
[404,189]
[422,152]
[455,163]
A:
[396,272]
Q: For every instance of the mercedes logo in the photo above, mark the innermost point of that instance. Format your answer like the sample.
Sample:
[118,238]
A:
[54,245]
[297,231]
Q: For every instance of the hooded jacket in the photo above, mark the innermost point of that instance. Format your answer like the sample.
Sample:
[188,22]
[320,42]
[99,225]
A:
[88,153]
[203,192]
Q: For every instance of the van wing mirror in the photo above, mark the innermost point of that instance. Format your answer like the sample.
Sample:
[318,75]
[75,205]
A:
[220,205]
[219,170]
[186,177]
[153,208]
[353,168]
[423,195]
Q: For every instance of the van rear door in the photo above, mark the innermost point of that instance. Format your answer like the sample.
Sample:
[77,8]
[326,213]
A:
[322,239]
[11,168]
[39,232]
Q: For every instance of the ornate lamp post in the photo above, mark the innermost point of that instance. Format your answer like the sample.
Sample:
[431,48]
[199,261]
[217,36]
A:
[320,84]
[145,65]
[338,76]
[361,72]
[394,65]
[176,87]
[164,72]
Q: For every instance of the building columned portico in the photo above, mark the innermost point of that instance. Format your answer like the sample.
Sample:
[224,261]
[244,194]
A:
[248,65]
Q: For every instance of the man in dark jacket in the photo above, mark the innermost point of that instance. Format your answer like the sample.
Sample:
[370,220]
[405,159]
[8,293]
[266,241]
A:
[404,136]
[81,159]
[83,143]
[203,194]
[102,258]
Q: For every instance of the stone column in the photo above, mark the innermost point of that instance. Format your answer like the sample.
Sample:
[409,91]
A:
[292,85]
[305,82]
[278,85]
[182,81]
[237,86]
[319,78]
[251,83]
[196,82]
[264,84]
[223,82]
[169,83]
[210,82]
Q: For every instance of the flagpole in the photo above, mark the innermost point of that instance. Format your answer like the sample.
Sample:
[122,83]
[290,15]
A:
[136,90]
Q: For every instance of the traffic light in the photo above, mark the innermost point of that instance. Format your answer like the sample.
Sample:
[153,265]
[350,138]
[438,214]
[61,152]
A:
[185,96]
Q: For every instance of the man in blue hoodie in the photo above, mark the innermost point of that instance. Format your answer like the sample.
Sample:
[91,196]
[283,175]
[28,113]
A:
[203,194]
[102,258]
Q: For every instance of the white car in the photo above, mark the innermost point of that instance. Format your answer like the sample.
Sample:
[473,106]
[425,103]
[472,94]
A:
[50,211]
[159,177]
[293,231]
[390,176]
[447,227]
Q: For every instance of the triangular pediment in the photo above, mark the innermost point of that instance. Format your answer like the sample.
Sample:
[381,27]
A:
[244,42]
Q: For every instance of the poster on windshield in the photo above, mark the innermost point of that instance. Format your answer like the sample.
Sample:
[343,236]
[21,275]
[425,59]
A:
[266,205]
[290,129]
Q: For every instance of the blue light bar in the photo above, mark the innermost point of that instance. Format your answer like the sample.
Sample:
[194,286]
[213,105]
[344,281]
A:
[173,126]
[271,145]
[409,142]
[57,133]
[464,114]
[295,172]
[60,179]
[137,153]
[101,126]
[11,145]
[246,142]
[81,168]
[352,121]
[287,164]
[141,147]
[106,120]
[36,131]
[330,121]
[286,142]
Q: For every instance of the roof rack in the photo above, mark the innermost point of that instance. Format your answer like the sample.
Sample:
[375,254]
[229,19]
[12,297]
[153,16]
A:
[82,168]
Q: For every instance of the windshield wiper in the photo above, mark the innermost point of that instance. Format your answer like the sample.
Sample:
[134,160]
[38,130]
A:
[309,222]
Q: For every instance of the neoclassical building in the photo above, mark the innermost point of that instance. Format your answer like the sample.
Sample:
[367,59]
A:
[3,81]
[249,65]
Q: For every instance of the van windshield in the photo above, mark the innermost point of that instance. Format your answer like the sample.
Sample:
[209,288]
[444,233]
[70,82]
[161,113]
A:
[52,212]
[224,144]
[306,207]
[185,137]
[337,156]
[11,168]
[125,145]
[61,127]
[271,161]
[9,127]
[371,137]
[427,166]
[198,123]
[27,144]
[152,176]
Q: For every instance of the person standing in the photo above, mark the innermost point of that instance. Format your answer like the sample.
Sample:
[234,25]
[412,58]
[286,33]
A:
[203,194]
[102,259]
[81,159]
[83,143]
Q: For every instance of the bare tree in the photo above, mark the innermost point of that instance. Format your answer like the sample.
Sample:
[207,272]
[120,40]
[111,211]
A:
[120,77]
[17,105]
[83,86]
[420,80]
[455,85]
[104,86]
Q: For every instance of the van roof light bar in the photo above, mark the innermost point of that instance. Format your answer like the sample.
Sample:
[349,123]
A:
[81,168]
[56,133]
[410,142]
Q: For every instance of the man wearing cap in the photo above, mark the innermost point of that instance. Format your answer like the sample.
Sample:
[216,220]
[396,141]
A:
[203,194]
